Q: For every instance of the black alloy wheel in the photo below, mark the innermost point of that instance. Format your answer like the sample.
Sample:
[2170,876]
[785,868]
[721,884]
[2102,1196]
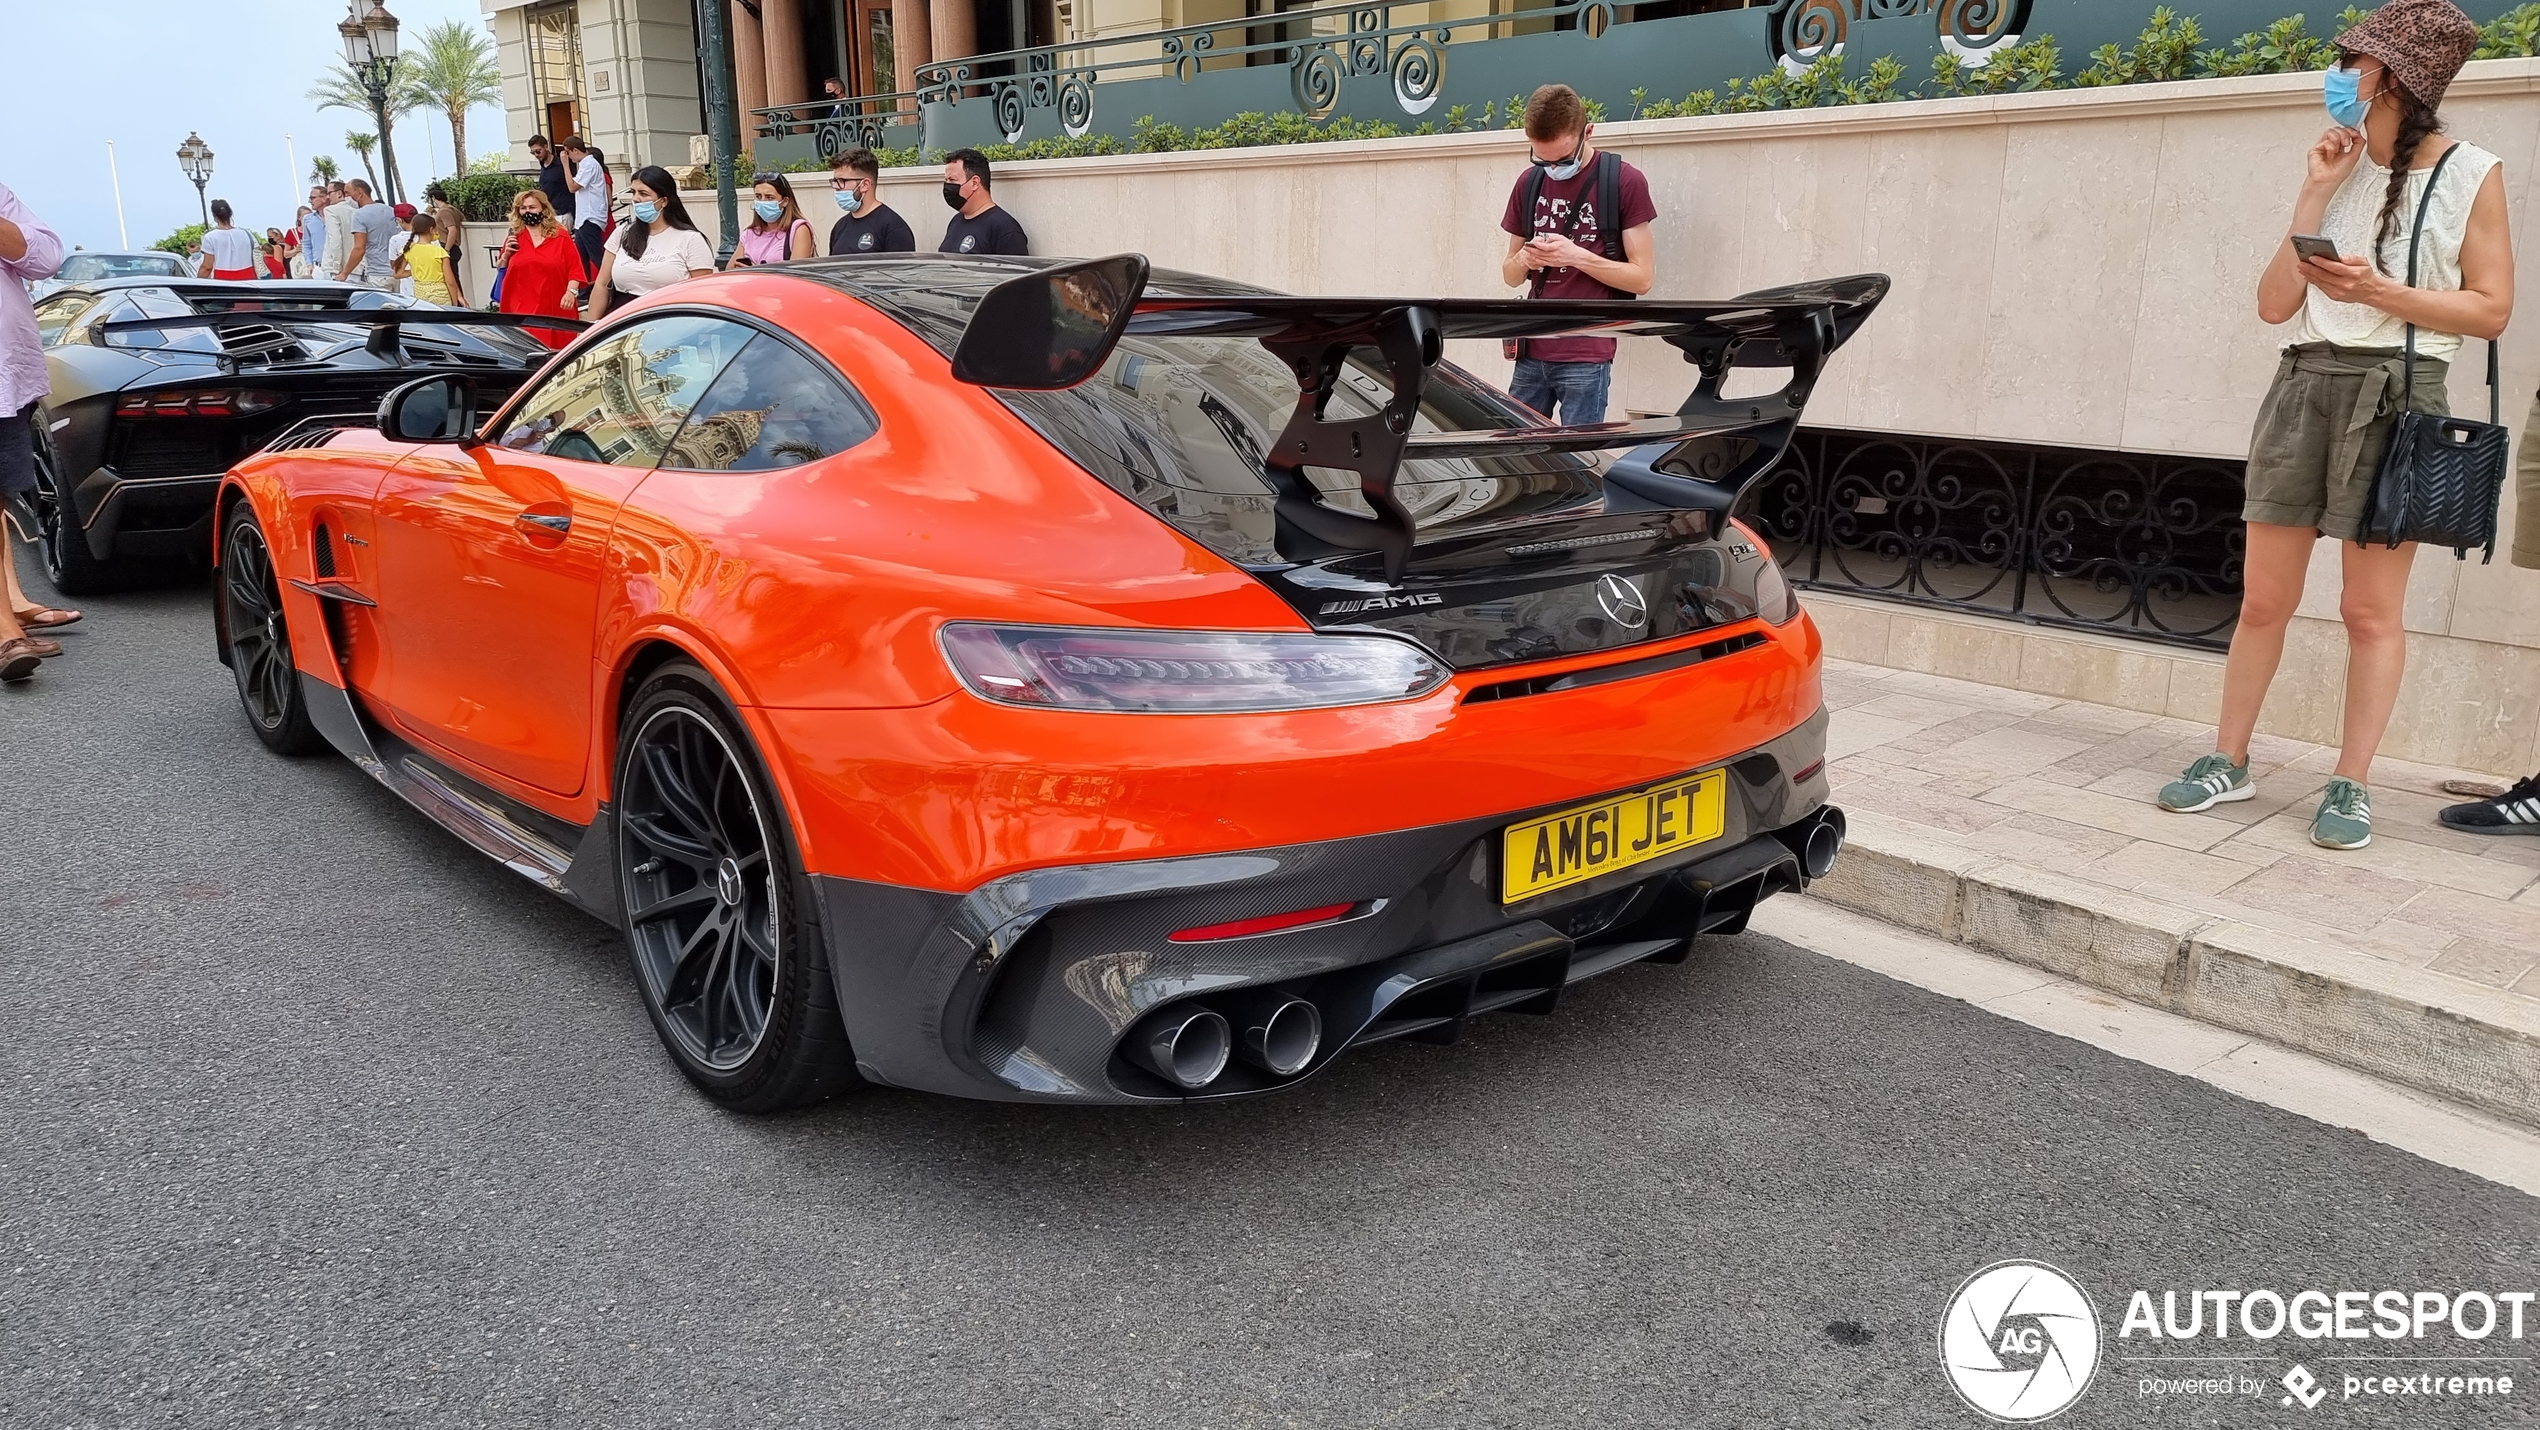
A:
[259,640]
[719,915]
[67,561]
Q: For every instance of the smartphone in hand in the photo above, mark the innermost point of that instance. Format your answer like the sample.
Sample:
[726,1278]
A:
[2311,245]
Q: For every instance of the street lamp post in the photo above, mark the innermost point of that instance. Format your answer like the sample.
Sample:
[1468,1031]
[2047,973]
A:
[195,158]
[370,52]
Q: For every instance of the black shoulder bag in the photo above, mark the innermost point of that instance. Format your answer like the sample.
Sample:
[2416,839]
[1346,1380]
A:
[2440,477]
[1609,227]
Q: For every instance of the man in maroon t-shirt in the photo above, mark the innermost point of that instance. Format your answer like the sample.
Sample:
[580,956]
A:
[1565,255]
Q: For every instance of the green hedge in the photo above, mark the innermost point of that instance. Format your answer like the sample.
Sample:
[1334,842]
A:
[480,198]
[176,242]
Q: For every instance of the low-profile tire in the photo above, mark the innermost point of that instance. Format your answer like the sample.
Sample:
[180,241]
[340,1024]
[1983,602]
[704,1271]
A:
[722,924]
[258,637]
[62,545]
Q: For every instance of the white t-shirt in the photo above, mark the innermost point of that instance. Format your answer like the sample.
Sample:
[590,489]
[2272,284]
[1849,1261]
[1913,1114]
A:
[2354,216]
[669,256]
[231,249]
[591,200]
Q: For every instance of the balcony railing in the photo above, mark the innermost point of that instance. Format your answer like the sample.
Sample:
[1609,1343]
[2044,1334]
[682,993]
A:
[834,126]
[1411,62]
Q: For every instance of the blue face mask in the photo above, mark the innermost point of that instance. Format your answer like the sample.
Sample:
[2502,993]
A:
[2343,92]
[846,198]
[1566,168]
[768,210]
[647,212]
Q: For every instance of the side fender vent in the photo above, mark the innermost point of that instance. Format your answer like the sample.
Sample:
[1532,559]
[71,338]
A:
[325,553]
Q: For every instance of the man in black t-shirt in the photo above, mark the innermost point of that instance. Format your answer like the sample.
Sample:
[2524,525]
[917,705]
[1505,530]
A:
[869,225]
[551,176]
[978,225]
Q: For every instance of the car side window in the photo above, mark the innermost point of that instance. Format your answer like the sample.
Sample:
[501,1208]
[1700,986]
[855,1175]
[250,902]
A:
[772,407]
[54,316]
[622,399]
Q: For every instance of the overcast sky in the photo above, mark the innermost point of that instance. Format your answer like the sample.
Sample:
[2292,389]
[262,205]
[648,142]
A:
[145,72]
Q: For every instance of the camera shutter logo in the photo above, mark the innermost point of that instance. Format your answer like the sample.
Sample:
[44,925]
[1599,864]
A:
[1622,603]
[2020,1341]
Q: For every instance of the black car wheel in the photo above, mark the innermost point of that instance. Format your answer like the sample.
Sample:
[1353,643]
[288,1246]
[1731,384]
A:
[259,640]
[67,562]
[719,915]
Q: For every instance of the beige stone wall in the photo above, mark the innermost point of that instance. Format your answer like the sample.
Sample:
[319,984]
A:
[2073,268]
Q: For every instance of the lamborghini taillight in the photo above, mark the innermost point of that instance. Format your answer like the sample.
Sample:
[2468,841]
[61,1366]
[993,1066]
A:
[1183,672]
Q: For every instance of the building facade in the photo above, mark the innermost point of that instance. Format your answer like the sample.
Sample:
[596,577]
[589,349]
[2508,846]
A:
[624,74]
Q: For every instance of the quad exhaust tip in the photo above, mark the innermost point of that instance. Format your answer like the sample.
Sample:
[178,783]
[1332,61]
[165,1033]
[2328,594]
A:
[1281,1035]
[1825,843]
[1186,1046]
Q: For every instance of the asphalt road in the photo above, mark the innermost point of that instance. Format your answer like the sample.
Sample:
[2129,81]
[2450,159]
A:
[315,1117]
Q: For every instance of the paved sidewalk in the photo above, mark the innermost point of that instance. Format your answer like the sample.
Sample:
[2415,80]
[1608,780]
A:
[2025,823]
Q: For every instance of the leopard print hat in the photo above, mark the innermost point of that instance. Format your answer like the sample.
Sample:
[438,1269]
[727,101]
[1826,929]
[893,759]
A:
[2423,42]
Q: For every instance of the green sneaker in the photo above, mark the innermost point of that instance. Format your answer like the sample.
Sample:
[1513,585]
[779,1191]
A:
[2345,817]
[2212,780]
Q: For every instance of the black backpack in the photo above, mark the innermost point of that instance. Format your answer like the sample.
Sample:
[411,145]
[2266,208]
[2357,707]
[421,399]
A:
[1609,208]
[1609,223]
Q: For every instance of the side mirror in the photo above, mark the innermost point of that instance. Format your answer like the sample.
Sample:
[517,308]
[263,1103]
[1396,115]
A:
[1051,329]
[432,409]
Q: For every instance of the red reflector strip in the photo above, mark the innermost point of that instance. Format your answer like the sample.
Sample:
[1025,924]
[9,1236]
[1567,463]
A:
[1810,773]
[1267,923]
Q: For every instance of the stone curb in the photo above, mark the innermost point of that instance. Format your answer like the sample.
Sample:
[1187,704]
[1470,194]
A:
[2442,1035]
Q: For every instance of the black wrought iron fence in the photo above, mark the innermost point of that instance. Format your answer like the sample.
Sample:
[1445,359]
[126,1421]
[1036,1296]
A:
[2142,546]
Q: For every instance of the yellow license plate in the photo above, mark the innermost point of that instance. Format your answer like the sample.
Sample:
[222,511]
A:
[1579,844]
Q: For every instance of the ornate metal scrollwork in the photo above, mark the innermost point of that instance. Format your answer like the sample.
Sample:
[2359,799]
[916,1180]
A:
[1419,67]
[1076,105]
[1007,99]
[2144,546]
[1976,24]
[1806,30]
[1314,79]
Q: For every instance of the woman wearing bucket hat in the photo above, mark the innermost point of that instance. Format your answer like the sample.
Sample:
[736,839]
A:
[2341,384]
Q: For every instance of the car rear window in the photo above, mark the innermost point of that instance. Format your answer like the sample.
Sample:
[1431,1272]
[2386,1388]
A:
[89,267]
[1179,424]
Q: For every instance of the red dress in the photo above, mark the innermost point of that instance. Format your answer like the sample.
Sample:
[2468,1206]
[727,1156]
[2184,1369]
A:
[534,280]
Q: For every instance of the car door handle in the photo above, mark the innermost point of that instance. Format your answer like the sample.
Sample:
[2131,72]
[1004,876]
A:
[544,521]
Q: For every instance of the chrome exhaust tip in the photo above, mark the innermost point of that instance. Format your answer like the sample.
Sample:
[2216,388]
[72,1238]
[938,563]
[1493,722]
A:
[1186,1046]
[1280,1035]
[1824,845]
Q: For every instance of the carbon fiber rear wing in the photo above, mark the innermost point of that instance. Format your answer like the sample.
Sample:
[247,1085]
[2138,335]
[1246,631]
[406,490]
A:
[1054,328]
[384,323]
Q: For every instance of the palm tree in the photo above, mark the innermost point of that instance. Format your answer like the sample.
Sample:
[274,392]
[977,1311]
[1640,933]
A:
[363,144]
[322,169]
[341,90]
[452,68]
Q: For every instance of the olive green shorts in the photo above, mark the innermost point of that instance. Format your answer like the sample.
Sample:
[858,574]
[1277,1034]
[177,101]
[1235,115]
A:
[2527,493]
[2321,432]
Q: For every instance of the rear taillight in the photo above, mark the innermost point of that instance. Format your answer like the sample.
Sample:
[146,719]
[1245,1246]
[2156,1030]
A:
[1267,923]
[206,402]
[1184,672]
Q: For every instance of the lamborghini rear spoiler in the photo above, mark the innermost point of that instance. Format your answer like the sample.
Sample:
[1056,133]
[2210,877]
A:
[1054,328]
[383,322]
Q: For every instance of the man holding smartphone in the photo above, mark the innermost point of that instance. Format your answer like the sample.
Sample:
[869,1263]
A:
[1578,227]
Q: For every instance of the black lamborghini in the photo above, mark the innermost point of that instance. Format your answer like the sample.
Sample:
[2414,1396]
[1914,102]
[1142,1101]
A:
[160,384]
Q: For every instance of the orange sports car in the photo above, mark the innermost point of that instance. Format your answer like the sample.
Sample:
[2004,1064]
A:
[1066,682]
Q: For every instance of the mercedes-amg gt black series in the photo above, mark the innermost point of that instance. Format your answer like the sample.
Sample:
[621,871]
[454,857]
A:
[161,384]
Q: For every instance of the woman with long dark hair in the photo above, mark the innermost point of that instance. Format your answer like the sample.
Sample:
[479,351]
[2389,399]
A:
[2341,385]
[656,247]
[777,232]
